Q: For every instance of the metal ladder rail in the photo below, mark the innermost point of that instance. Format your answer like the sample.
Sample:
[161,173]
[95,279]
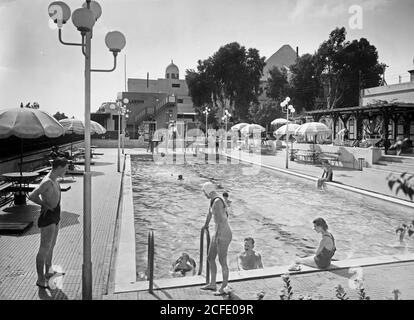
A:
[200,270]
[151,252]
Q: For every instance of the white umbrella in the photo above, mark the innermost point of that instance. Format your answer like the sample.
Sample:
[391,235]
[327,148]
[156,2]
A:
[279,121]
[78,126]
[313,129]
[291,127]
[239,126]
[27,123]
[252,128]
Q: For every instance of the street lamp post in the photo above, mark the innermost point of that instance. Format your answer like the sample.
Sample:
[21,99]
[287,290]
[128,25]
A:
[286,107]
[225,118]
[120,106]
[84,19]
[206,112]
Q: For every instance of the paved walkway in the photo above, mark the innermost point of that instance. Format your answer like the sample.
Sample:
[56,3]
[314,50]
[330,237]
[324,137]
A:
[18,253]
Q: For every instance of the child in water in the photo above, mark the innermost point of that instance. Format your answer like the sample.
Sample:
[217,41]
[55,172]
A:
[228,202]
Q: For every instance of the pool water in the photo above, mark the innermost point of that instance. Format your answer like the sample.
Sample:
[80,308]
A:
[275,209]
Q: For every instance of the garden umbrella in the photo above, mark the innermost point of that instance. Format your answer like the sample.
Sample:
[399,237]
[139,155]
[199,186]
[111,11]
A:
[313,129]
[291,127]
[27,123]
[251,128]
[78,126]
[279,121]
[239,126]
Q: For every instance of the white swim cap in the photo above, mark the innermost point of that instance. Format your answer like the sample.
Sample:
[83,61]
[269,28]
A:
[208,187]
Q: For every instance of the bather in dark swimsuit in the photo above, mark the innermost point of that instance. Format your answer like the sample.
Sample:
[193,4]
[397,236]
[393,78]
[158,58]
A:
[48,217]
[323,259]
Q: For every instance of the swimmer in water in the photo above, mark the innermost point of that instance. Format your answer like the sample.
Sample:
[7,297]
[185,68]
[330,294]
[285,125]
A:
[184,264]
[180,177]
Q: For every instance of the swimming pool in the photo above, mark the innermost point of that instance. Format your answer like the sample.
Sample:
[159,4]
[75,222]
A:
[277,210]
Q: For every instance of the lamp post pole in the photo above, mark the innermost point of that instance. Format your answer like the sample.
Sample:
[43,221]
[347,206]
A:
[226,116]
[206,112]
[87,227]
[84,19]
[285,105]
[119,139]
[120,106]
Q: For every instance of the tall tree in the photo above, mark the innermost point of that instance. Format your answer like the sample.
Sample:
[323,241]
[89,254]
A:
[265,112]
[277,84]
[305,84]
[230,78]
[345,67]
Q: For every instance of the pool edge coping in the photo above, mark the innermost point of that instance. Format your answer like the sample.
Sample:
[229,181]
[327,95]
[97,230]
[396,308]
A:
[125,264]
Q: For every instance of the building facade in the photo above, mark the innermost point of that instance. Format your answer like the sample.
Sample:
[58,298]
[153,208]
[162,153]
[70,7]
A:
[153,104]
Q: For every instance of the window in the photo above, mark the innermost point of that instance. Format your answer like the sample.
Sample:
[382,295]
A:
[412,130]
[180,100]
[175,85]
[136,101]
[168,75]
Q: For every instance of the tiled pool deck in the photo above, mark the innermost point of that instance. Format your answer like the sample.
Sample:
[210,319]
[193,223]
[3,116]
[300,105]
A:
[113,270]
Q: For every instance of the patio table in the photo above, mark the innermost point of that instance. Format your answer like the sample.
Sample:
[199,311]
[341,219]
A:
[19,181]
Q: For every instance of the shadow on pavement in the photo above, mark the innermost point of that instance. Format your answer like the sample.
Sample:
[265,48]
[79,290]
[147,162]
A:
[30,213]
[49,294]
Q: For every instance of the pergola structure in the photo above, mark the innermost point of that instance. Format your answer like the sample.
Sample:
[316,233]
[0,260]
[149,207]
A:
[384,113]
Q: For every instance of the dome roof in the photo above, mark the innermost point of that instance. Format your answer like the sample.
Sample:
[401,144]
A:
[172,68]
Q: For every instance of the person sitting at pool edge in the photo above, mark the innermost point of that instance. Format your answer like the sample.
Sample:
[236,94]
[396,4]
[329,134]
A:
[249,259]
[327,174]
[325,252]
[184,264]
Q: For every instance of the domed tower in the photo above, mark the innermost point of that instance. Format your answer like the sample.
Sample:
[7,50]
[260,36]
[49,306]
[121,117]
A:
[172,71]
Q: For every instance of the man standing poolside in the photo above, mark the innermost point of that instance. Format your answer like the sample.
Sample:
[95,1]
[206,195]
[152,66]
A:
[47,195]
[221,239]
[249,259]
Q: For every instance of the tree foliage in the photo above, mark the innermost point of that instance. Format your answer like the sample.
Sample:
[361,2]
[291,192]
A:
[277,84]
[59,116]
[343,67]
[403,183]
[305,85]
[230,79]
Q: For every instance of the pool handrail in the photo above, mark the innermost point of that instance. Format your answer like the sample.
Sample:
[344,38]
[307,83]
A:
[200,270]
[151,251]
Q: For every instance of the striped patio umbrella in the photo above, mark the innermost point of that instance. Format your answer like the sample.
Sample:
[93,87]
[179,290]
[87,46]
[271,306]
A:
[313,129]
[279,121]
[239,126]
[291,127]
[252,128]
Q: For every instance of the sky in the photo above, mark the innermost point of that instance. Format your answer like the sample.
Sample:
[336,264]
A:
[34,66]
